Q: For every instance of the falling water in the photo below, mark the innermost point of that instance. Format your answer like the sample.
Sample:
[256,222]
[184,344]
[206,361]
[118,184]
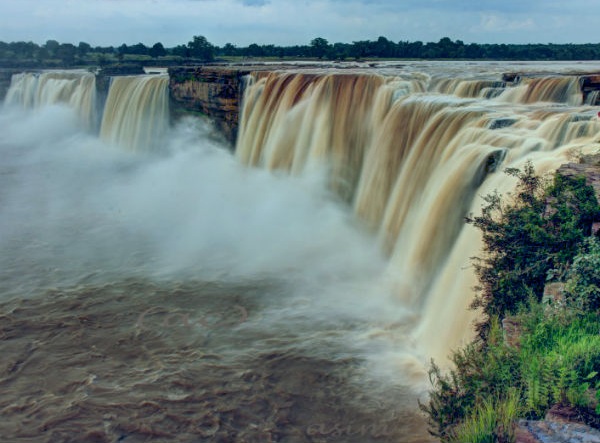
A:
[76,89]
[136,113]
[414,164]
[592,98]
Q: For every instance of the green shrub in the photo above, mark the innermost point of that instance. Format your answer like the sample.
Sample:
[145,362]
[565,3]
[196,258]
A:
[539,230]
[583,278]
[478,374]
[492,421]
[544,228]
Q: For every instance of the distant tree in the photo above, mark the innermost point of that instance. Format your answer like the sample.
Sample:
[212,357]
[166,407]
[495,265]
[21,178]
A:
[105,49]
[138,49]
[52,46]
[384,48]
[102,60]
[319,47]
[200,48]
[181,51]
[123,49]
[83,48]
[67,52]
[23,50]
[255,51]
[229,49]
[157,50]
[42,54]
[339,51]
[360,49]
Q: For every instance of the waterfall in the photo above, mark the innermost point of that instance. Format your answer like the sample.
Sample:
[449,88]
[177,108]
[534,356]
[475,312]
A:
[136,113]
[592,98]
[76,89]
[412,158]
[545,89]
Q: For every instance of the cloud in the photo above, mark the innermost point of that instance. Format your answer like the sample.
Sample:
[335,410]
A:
[496,22]
[288,22]
[255,2]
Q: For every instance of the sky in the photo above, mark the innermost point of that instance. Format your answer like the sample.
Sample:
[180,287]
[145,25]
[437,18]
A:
[290,22]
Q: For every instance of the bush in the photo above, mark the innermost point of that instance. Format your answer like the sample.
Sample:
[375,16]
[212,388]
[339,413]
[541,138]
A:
[539,230]
[583,278]
[544,228]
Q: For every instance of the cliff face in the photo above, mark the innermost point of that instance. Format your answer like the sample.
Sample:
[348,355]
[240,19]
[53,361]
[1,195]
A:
[5,77]
[214,91]
[589,168]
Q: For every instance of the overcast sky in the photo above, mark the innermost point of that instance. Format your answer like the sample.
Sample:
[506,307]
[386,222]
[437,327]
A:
[287,22]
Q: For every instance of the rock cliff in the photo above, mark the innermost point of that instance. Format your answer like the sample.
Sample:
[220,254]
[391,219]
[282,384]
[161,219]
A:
[214,91]
[5,77]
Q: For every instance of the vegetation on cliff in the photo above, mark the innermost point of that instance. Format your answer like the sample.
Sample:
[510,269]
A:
[542,234]
[199,49]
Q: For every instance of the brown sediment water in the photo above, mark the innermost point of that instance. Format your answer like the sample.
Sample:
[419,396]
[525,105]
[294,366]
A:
[190,363]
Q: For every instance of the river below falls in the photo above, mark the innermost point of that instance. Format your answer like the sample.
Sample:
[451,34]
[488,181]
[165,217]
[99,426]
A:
[140,361]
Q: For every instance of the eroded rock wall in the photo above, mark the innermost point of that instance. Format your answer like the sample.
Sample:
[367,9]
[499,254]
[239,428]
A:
[213,91]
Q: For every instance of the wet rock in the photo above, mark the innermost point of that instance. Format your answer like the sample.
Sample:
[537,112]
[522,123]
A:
[561,425]
[554,295]
[214,91]
[5,79]
[548,431]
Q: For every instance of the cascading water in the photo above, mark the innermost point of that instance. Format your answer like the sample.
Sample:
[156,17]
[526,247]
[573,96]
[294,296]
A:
[136,113]
[187,297]
[74,89]
[411,164]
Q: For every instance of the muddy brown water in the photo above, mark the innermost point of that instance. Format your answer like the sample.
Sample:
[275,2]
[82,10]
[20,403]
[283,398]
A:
[141,361]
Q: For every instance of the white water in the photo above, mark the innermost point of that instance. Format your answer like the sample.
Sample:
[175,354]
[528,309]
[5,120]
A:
[76,89]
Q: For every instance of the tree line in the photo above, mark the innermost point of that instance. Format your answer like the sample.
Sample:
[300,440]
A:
[53,53]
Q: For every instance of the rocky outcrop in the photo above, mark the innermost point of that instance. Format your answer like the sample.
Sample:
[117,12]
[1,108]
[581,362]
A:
[214,91]
[5,77]
[560,425]
[555,432]
[590,84]
[554,295]
[589,167]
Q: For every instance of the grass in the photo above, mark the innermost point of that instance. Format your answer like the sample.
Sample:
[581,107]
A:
[556,359]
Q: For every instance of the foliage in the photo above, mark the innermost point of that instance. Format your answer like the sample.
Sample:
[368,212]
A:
[556,359]
[557,356]
[583,278]
[479,374]
[492,421]
[556,363]
[199,47]
[157,50]
[320,47]
[20,53]
[524,239]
